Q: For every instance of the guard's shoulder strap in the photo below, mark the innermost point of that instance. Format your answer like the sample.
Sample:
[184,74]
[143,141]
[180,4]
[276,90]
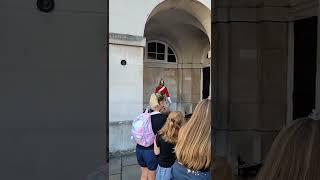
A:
[161,89]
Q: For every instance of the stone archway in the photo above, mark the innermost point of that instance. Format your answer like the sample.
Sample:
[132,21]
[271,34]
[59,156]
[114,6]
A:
[199,9]
[185,26]
[187,33]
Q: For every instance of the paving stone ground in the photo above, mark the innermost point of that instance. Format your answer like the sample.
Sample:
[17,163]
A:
[124,168]
[118,168]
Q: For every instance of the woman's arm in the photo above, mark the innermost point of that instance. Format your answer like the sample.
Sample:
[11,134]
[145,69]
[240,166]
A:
[156,149]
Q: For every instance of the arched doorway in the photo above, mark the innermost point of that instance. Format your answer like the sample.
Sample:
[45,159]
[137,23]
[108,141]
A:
[185,28]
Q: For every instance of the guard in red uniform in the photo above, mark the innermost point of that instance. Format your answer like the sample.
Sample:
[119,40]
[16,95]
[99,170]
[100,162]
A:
[163,90]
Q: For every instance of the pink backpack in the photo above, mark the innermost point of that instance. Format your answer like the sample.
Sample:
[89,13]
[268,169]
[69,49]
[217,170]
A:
[141,130]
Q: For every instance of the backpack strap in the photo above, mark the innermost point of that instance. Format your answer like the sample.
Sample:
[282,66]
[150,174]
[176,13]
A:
[147,109]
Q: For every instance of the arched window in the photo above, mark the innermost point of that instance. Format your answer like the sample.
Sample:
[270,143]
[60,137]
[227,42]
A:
[160,52]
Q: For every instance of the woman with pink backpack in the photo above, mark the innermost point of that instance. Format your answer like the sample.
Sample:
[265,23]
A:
[146,157]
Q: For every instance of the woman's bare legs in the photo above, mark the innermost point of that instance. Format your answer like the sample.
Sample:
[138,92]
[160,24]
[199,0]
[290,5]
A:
[144,173]
[151,175]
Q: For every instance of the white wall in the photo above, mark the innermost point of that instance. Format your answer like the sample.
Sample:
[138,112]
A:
[129,17]
[53,78]
[125,82]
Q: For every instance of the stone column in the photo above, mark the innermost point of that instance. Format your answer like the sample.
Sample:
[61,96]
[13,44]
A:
[221,85]
[290,71]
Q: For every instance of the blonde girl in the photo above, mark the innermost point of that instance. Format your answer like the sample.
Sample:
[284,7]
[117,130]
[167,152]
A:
[164,145]
[193,149]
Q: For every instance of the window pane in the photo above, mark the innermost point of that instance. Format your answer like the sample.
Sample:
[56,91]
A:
[151,55]
[170,51]
[171,58]
[160,56]
[160,48]
[152,47]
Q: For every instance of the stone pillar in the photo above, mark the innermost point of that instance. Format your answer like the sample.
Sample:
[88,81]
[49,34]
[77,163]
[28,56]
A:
[221,85]
[251,87]
[290,71]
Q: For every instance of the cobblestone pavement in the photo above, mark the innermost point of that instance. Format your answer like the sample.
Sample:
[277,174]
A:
[124,168]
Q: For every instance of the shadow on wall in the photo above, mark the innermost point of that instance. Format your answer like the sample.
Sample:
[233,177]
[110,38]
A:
[222,170]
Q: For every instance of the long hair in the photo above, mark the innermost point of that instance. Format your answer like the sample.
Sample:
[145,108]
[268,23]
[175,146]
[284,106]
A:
[169,131]
[295,153]
[193,147]
[155,99]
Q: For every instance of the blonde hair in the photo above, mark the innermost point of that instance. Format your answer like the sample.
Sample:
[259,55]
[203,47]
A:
[294,154]
[193,147]
[155,99]
[169,131]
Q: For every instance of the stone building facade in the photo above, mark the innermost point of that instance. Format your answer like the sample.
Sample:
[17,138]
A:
[267,72]
[158,39]
[264,66]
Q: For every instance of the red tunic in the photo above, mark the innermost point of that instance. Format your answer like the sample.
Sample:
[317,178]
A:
[164,91]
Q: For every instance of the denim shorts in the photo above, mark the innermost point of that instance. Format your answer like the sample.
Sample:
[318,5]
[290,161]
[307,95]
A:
[163,173]
[147,158]
[181,172]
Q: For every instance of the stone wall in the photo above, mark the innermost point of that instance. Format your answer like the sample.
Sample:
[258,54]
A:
[184,86]
[131,85]
[125,88]
[252,76]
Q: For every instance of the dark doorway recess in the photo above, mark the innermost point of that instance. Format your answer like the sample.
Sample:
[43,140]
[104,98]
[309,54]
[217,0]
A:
[305,66]
[205,82]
